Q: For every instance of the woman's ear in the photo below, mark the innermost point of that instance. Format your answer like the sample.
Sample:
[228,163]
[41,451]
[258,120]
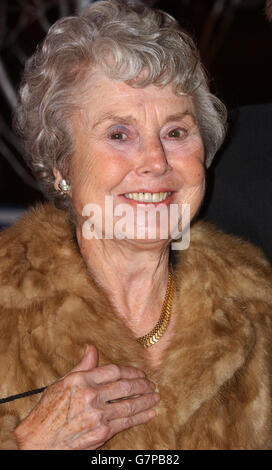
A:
[60,184]
[58,178]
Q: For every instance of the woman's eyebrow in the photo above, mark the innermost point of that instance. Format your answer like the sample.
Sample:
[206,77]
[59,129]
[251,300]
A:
[129,119]
[178,116]
[114,117]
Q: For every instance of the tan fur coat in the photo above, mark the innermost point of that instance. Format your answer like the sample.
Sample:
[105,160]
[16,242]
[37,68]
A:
[216,379]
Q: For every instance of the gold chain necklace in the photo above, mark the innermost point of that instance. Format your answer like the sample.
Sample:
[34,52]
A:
[160,328]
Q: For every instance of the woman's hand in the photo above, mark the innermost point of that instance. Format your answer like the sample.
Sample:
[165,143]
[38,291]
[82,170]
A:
[77,413]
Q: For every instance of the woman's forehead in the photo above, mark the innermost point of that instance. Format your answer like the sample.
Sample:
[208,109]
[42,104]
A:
[109,98]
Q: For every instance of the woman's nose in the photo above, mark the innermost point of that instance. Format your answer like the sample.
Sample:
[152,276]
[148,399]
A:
[152,159]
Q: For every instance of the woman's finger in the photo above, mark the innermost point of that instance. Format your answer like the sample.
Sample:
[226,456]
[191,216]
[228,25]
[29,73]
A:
[118,425]
[124,388]
[111,373]
[88,361]
[96,435]
[130,406]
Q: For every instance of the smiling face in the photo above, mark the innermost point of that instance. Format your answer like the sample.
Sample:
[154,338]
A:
[138,145]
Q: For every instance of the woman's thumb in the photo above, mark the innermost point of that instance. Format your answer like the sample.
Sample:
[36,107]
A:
[89,360]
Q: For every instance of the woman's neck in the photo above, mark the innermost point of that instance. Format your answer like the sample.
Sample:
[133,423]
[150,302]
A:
[134,277]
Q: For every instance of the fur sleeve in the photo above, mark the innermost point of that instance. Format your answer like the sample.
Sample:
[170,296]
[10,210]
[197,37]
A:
[8,423]
[239,416]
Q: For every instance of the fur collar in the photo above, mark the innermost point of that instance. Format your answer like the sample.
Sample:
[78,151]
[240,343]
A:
[222,284]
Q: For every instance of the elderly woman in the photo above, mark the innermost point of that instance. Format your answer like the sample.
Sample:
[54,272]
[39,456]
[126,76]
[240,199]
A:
[134,346]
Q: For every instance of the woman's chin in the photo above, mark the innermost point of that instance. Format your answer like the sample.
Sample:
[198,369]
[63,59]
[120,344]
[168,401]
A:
[144,236]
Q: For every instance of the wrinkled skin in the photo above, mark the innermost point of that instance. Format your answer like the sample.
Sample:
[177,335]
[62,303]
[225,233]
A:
[74,412]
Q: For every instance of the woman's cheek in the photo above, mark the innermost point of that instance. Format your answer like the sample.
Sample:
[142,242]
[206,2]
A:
[198,175]
[192,171]
[84,172]
[189,158]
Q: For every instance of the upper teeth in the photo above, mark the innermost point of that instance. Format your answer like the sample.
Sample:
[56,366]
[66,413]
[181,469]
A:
[148,197]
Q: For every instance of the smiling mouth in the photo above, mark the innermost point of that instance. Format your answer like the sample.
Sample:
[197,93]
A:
[148,197]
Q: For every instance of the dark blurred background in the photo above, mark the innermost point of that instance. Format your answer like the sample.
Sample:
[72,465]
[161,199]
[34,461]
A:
[234,38]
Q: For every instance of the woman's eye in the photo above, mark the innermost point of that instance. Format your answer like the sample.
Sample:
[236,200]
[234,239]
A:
[118,136]
[177,133]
